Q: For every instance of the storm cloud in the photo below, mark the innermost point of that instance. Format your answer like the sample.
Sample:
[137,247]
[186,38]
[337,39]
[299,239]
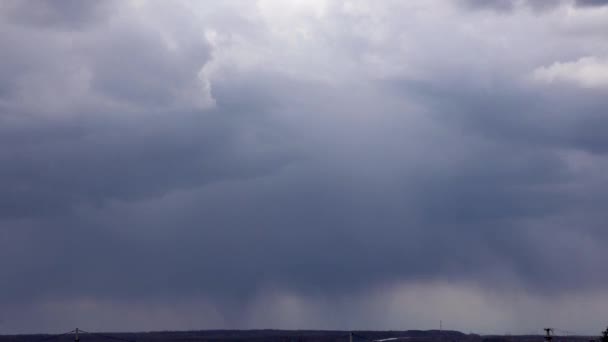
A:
[302,164]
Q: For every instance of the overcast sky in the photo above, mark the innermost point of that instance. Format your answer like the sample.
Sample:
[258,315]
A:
[303,164]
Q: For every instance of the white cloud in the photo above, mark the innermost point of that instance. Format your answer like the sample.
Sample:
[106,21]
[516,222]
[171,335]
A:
[587,72]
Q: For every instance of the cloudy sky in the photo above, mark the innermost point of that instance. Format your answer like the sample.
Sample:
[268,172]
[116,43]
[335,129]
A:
[320,164]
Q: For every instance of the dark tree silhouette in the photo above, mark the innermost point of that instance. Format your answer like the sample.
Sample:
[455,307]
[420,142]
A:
[604,337]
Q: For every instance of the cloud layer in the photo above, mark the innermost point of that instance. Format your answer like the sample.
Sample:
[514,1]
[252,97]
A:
[302,164]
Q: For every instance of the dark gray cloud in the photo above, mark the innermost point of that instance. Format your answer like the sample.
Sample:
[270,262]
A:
[500,5]
[93,162]
[65,14]
[149,158]
[591,2]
